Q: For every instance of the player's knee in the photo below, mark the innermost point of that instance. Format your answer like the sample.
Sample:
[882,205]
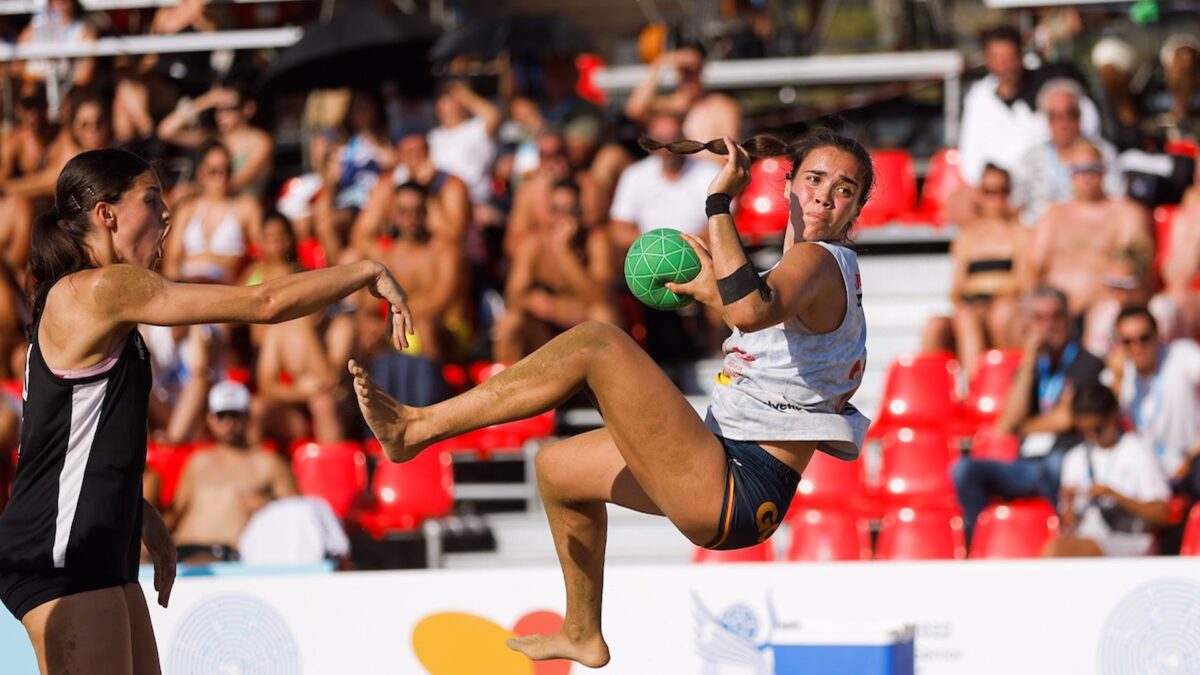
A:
[602,338]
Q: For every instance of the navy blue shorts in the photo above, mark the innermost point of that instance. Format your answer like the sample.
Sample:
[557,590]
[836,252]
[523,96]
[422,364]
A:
[758,491]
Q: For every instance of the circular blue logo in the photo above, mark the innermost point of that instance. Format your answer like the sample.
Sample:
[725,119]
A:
[1154,630]
[234,634]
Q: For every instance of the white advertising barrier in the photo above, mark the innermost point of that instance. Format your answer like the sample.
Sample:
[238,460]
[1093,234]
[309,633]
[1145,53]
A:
[972,618]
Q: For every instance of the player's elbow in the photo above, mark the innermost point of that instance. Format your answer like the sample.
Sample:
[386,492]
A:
[266,306]
[746,316]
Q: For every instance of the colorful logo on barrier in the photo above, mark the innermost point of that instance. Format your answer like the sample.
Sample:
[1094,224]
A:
[458,643]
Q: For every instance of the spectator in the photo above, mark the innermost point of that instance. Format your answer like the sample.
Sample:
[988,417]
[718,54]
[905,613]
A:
[23,149]
[364,155]
[1181,268]
[1038,408]
[1158,385]
[464,142]
[88,129]
[57,22]
[1128,282]
[999,118]
[277,252]
[186,362]
[533,209]
[1042,176]
[561,275]
[215,229]
[662,190]
[14,320]
[987,256]
[220,489]
[251,149]
[427,268]
[296,384]
[1114,493]
[1074,240]
[1118,62]
[449,203]
[706,115]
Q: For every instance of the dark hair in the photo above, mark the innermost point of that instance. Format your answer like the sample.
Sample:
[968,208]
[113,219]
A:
[271,216]
[693,45]
[567,184]
[1094,399]
[1001,33]
[1138,310]
[58,245]
[797,150]
[207,147]
[414,186]
[998,169]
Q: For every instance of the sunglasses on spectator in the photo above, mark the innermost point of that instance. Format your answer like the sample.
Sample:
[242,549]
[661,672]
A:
[1090,167]
[1121,283]
[1070,114]
[1143,339]
[994,191]
[1091,430]
[216,171]
[1049,316]
[230,415]
[85,125]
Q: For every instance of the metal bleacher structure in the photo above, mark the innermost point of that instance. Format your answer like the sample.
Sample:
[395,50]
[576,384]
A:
[896,300]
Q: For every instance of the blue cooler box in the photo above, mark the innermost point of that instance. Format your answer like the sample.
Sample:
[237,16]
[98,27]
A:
[858,649]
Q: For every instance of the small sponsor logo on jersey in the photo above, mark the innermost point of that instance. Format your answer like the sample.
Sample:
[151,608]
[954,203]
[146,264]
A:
[767,520]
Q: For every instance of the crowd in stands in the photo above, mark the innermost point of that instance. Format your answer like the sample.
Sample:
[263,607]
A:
[506,219]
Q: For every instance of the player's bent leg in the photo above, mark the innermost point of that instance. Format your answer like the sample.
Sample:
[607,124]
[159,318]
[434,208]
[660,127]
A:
[82,633]
[141,632]
[576,477]
[674,457]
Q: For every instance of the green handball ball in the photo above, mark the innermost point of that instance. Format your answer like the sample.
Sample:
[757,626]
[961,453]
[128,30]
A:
[657,257]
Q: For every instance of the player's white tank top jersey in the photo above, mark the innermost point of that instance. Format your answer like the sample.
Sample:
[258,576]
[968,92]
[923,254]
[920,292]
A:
[787,383]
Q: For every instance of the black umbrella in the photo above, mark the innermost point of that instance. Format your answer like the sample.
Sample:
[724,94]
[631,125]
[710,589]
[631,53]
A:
[359,47]
[519,35]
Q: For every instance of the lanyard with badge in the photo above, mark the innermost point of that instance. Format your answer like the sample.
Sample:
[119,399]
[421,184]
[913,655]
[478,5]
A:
[1050,384]
[1149,397]
[1115,516]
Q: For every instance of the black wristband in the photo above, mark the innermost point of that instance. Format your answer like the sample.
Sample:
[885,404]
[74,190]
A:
[717,204]
[742,282]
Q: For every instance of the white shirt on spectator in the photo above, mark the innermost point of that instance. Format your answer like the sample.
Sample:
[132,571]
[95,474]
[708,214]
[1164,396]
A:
[996,132]
[293,531]
[1165,407]
[466,151]
[650,200]
[1130,468]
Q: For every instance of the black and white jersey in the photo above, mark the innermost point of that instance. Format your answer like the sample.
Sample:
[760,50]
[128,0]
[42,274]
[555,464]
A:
[77,496]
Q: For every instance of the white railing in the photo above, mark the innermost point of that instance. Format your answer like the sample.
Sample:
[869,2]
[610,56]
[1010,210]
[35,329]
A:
[155,44]
[944,65]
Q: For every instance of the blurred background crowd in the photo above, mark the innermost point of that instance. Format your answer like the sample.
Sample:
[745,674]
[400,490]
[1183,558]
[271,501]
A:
[479,157]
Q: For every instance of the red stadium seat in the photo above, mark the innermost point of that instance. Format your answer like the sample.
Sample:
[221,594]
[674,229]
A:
[762,210]
[336,472]
[13,388]
[168,461]
[310,254]
[1184,147]
[764,552]
[915,468]
[988,388]
[989,443]
[828,482]
[828,534]
[895,192]
[509,436]
[921,391]
[1191,533]
[941,180]
[1018,529]
[405,495]
[921,534]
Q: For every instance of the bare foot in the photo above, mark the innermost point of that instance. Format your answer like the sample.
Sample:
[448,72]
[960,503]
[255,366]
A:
[591,652]
[386,417]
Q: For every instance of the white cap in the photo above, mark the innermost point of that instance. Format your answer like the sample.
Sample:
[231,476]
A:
[229,396]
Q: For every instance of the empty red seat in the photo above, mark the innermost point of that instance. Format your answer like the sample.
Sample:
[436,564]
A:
[990,443]
[921,534]
[1191,533]
[895,192]
[405,495]
[920,391]
[336,472]
[828,534]
[168,461]
[942,179]
[828,482]
[509,436]
[915,468]
[1017,529]
[764,552]
[988,388]
[762,211]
